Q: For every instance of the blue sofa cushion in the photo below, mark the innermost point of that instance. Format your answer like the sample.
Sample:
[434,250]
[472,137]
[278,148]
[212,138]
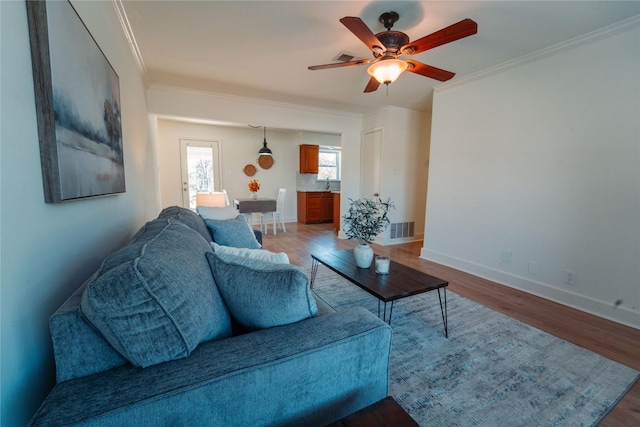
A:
[188,217]
[233,232]
[155,299]
[261,294]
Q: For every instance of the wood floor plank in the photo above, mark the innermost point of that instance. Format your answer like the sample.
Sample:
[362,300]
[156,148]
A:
[609,339]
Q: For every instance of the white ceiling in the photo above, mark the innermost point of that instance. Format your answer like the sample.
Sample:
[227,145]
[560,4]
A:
[261,49]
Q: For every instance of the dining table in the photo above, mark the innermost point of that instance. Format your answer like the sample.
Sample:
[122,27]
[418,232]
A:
[247,207]
[255,205]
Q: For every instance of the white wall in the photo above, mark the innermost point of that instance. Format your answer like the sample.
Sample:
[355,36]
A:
[238,147]
[49,250]
[405,165]
[185,103]
[542,158]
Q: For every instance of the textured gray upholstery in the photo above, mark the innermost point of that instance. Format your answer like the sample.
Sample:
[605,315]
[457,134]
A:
[310,372]
[261,294]
[233,232]
[153,300]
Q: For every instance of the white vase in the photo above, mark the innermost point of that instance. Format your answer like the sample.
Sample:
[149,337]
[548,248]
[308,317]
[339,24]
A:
[363,255]
[254,195]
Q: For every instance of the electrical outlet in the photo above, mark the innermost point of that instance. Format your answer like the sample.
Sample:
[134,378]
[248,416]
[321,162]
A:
[570,277]
[506,256]
[533,267]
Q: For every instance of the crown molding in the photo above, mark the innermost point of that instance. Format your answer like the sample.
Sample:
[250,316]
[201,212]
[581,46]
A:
[128,32]
[545,52]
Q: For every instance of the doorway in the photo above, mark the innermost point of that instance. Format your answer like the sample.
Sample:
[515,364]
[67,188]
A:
[200,167]
[371,163]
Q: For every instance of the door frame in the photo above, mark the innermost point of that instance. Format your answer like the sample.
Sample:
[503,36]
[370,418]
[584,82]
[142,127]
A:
[217,164]
[363,169]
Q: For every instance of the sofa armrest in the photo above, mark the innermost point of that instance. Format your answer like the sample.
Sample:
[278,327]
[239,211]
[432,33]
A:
[79,349]
[308,373]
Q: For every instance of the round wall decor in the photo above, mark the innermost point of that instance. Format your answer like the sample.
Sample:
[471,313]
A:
[250,170]
[265,162]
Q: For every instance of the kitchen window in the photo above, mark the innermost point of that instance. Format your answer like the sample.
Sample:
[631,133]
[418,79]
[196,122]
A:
[329,164]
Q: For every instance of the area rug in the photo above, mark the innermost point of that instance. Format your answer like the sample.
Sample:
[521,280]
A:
[492,370]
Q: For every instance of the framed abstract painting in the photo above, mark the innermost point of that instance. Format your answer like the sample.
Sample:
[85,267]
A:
[77,95]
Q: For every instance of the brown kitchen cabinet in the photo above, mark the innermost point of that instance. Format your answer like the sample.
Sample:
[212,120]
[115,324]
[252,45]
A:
[309,158]
[336,212]
[315,207]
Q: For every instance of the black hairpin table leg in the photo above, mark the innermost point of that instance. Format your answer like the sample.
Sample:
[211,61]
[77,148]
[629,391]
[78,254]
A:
[314,270]
[444,312]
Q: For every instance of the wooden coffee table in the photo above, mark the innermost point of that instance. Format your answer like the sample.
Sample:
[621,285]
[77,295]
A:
[401,282]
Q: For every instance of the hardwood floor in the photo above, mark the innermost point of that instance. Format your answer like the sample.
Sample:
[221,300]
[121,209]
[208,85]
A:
[609,339]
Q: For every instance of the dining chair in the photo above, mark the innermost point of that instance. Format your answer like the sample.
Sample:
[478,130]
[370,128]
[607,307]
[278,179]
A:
[278,215]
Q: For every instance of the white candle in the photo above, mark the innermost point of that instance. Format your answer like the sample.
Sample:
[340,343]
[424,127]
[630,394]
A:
[382,265]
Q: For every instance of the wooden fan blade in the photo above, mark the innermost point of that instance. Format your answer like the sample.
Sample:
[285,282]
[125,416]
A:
[339,64]
[372,86]
[361,31]
[457,31]
[429,71]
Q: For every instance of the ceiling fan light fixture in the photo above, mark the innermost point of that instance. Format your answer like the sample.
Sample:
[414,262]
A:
[387,70]
[265,151]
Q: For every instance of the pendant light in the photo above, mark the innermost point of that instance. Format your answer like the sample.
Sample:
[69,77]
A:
[265,151]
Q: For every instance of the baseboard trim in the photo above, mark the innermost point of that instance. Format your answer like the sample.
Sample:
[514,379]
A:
[579,302]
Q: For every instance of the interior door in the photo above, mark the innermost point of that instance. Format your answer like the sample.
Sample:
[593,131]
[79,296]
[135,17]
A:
[200,167]
[371,163]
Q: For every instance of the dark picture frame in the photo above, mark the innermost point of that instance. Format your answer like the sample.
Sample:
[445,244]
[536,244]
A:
[77,95]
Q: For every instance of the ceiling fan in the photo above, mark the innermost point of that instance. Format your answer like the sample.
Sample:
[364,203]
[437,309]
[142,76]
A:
[387,47]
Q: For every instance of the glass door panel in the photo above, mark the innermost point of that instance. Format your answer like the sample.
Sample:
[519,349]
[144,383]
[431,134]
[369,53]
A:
[200,169]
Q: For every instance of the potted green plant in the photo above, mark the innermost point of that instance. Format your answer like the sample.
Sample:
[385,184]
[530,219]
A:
[366,219]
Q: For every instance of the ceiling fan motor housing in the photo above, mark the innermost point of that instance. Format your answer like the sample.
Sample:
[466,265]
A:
[392,41]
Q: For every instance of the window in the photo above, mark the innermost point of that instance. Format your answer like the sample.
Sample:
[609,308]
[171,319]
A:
[329,164]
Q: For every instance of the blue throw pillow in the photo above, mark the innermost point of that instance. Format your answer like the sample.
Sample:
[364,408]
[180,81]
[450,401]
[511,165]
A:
[261,294]
[155,299]
[233,232]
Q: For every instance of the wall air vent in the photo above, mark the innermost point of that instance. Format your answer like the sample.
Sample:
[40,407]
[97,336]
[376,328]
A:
[401,230]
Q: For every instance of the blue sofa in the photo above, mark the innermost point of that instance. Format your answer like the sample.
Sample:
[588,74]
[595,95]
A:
[309,372]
